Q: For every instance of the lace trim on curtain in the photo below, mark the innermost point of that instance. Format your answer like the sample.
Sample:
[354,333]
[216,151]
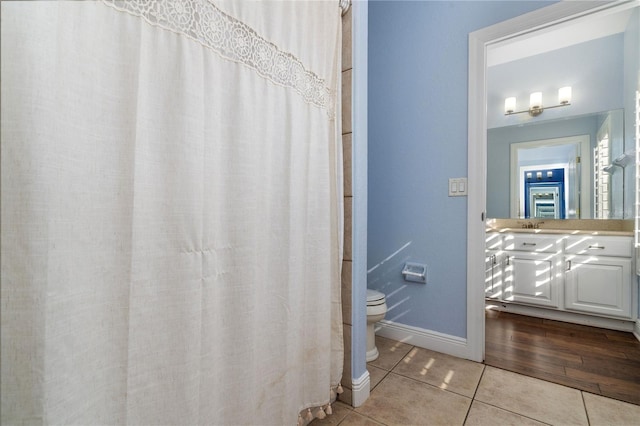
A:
[203,22]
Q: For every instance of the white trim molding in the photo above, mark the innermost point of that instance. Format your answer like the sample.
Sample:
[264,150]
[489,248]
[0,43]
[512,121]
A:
[636,329]
[427,339]
[360,389]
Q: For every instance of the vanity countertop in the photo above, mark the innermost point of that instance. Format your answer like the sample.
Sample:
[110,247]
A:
[563,226]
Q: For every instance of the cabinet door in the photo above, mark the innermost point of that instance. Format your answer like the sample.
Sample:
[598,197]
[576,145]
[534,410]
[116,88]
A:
[493,276]
[599,285]
[530,278]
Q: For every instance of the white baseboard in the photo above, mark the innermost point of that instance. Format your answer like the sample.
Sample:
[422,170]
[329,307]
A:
[360,389]
[592,320]
[427,339]
[636,329]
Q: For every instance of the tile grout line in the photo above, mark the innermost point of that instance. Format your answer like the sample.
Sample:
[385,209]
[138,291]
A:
[380,381]
[473,397]
[428,384]
[353,409]
[386,374]
[394,366]
[402,358]
[364,415]
[584,404]
[515,412]
[512,412]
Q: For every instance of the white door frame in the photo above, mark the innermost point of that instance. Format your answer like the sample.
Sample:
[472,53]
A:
[539,20]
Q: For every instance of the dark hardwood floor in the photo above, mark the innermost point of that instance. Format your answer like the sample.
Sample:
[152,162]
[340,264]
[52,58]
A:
[596,360]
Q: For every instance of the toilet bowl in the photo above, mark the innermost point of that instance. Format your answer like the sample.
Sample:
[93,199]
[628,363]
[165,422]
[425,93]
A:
[376,310]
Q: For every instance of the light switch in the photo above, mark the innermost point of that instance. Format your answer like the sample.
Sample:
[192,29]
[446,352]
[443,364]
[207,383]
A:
[457,187]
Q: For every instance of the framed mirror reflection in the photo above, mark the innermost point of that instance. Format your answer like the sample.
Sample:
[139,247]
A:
[560,138]
[571,168]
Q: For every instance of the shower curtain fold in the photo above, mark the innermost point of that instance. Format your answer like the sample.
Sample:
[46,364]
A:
[171,216]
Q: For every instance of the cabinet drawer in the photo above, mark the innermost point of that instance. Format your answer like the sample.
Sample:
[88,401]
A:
[533,243]
[589,245]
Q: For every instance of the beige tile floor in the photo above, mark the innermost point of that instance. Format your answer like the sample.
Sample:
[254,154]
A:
[415,386]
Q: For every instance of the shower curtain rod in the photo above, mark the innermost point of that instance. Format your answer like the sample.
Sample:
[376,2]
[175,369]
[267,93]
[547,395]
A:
[345,5]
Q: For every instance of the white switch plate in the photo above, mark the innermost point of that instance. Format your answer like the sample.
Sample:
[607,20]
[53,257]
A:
[457,187]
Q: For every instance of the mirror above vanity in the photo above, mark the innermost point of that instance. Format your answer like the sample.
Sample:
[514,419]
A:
[572,163]
[578,160]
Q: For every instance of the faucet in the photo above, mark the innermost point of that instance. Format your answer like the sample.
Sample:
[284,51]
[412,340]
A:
[530,225]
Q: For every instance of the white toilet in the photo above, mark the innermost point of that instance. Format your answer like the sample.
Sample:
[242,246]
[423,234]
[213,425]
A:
[376,310]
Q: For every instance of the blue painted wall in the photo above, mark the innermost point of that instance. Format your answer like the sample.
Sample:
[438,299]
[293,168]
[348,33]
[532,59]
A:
[418,79]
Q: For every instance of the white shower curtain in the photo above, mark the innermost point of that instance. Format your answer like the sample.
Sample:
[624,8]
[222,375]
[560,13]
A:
[170,211]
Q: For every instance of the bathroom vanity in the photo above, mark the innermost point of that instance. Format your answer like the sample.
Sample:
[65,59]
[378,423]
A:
[566,272]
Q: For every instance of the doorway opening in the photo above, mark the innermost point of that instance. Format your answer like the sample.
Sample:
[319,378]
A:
[554,23]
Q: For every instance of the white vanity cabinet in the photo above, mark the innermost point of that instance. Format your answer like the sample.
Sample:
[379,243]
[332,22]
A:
[530,269]
[493,262]
[576,276]
[493,274]
[598,275]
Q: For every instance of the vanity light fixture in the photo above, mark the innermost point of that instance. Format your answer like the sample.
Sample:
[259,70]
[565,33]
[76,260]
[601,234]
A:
[535,103]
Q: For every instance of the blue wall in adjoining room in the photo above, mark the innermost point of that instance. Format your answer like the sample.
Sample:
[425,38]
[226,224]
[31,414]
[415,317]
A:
[417,101]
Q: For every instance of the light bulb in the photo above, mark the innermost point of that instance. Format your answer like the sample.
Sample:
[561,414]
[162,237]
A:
[535,100]
[564,95]
[509,105]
